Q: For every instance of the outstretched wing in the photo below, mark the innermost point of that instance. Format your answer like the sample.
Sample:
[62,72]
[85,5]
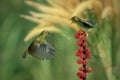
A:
[43,51]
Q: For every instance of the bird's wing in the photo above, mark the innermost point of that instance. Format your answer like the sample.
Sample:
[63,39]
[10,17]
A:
[50,51]
[83,25]
[43,51]
[90,22]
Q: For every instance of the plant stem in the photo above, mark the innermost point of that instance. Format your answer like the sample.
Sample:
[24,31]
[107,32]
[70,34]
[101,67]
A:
[110,75]
[106,63]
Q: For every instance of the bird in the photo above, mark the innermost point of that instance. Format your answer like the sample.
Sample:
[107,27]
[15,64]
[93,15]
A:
[84,24]
[40,48]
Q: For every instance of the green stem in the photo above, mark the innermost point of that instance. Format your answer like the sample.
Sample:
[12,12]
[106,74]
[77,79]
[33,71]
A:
[106,63]
[110,75]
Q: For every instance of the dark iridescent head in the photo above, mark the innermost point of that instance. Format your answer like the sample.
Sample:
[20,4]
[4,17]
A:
[75,19]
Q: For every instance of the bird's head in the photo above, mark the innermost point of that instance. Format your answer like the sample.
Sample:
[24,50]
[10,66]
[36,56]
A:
[45,32]
[42,35]
[75,19]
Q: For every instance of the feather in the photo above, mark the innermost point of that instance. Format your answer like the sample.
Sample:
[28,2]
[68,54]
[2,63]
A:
[43,51]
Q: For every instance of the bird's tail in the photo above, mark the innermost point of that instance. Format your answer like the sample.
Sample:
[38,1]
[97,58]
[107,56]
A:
[25,53]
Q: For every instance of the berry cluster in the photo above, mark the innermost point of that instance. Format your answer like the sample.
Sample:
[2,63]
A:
[84,53]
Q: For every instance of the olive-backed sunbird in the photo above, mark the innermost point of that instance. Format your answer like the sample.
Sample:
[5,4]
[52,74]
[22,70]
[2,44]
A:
[83,24]
[40,48]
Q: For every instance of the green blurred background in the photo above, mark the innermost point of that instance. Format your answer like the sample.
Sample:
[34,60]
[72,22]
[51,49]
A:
[13,30]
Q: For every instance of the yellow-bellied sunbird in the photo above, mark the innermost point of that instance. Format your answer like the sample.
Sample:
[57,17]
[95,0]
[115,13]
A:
[84,24]
[40,48]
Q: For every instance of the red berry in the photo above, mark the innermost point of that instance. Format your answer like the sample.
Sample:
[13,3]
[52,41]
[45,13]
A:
[85,62]
[84,75]
[82,55]
[88,55]
[88,50]
[79,74]
[81,32]
[77,35]
[82,37]
[84,44]
[77,53]
[79,61]
[81,68]
[88,69]
[81,49]
[81,79]
[79,43]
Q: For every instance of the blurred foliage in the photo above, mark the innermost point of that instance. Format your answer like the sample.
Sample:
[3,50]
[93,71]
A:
[13,30]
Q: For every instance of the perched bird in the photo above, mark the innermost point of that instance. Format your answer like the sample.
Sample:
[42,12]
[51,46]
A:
[40,48]
[84,24]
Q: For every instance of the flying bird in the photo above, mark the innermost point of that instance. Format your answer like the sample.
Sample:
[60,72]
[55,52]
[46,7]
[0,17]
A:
[40,48]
